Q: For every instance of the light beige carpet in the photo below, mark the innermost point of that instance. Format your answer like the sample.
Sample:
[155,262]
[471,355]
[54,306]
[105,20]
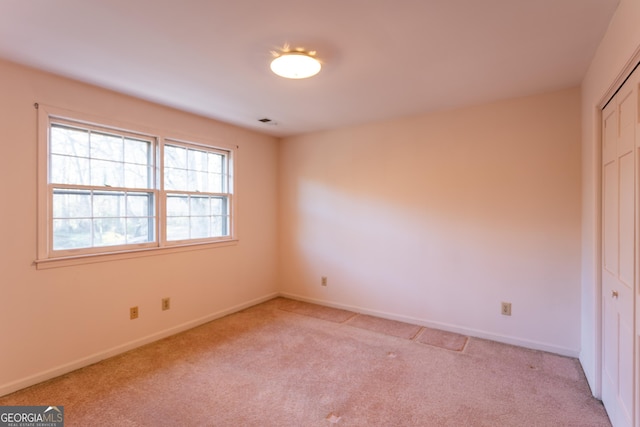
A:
[314,310]
[435,337]
[265,366]
[449,340]
[385,326]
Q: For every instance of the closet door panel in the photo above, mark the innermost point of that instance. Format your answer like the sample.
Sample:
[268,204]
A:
[610,220]
[610,134]
[626,218]
[619,256]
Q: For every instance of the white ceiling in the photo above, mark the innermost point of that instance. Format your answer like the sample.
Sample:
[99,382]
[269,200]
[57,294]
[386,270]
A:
[382,58]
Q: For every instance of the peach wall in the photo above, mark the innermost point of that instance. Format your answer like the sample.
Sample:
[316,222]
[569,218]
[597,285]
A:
[618,51]
[437,219]
[58,319]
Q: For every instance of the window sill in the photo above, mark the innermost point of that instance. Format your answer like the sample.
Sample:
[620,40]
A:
[44,264]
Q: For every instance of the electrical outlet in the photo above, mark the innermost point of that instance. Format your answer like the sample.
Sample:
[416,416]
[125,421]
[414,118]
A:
[323,281]
[505,309]
[166,304]
[133,312]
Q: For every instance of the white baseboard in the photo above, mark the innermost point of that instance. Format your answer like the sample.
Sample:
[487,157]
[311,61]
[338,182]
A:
[520,342]
[97,357]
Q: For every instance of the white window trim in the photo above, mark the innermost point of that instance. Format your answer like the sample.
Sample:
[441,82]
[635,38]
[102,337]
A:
[44,256]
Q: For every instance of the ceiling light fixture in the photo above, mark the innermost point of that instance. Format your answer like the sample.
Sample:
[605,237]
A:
[295,64]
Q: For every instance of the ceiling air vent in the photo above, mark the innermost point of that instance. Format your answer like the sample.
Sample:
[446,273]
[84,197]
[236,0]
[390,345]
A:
[268,121]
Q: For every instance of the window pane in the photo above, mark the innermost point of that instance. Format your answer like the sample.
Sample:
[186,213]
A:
[69,141]
[137,176]
[109,205]
[69,170]
[177,205]
[215,163]
[71,204]
[216,184]
[140,230]
[218,206]
[109,232]
[175,179]
[200,227]
[139,205]
[106,173]
[197,160]
[200,206]
[71,233]
[175,157]
[219,226]
[177,228]
[136,151]
[106,147]
[197,181]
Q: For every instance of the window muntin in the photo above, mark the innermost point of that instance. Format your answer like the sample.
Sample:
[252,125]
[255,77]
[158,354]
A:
[105,190]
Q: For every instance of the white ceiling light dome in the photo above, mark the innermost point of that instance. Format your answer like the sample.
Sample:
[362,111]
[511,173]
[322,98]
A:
[295,64]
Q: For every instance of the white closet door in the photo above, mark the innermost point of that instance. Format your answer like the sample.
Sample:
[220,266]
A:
[618,253]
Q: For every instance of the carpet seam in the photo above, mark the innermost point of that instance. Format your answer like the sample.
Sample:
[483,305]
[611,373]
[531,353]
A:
[348,319]
[413,338]
[417,334]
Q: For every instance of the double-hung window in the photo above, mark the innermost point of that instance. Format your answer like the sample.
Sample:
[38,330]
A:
[106,190]
[101,188]
[196,185]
